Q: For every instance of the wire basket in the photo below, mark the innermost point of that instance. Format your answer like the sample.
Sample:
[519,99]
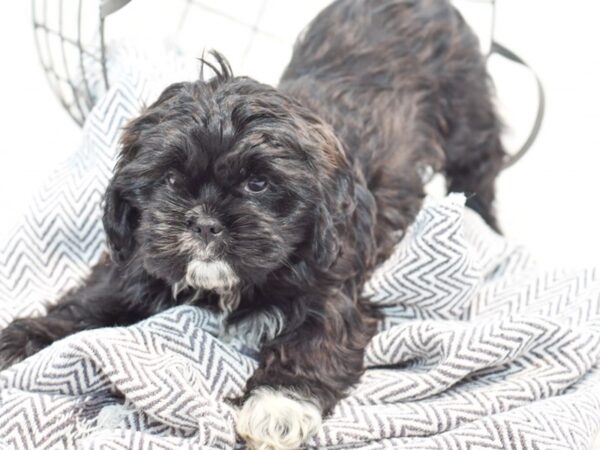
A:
[70,36]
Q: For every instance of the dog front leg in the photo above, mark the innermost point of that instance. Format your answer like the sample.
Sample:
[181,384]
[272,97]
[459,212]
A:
[303,373]
[83,309]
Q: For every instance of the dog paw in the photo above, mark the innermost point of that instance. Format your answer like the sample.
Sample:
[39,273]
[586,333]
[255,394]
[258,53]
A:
[277,419]
[16,344]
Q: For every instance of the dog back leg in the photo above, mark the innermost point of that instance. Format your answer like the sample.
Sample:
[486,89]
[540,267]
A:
[475,176]
[474,152]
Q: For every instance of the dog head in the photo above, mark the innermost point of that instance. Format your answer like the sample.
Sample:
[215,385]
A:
[225,182]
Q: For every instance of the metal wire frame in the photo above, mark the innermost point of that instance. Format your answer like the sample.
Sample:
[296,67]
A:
[72,85]
[71,79]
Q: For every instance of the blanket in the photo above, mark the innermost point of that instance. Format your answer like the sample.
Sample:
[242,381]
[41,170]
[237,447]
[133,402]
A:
[480,345]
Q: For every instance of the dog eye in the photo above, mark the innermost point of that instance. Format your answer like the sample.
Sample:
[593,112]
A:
[257,184]
[172,179]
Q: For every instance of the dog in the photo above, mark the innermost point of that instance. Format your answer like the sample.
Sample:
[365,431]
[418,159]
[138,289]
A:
[273,206]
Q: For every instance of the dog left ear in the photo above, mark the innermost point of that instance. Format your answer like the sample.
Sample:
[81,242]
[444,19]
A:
[334,212]
[334,215]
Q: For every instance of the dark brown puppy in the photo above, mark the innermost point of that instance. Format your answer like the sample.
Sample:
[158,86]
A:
[274,205]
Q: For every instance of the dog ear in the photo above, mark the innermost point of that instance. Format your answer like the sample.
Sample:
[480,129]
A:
[332,217]
[334,213]
[120,220]
[120,217]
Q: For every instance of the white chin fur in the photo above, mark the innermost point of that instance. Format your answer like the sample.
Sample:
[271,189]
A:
[277,419]
[210,275]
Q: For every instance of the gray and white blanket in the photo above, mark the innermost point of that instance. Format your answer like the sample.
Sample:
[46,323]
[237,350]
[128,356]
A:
[480,346]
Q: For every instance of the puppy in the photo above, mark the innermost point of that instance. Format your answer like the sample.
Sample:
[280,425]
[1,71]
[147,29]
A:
[273,206]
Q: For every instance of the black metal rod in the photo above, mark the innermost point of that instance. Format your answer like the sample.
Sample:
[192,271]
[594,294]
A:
[103,55]
[73,88]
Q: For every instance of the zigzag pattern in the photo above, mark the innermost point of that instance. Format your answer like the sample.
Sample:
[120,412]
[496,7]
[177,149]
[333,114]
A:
[480,348]
[61,235]
[430,274]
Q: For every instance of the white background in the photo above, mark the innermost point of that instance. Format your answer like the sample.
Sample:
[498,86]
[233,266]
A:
[549,201]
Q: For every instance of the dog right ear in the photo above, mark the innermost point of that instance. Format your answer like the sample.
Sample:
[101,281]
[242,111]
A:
[120,220]
[120,217]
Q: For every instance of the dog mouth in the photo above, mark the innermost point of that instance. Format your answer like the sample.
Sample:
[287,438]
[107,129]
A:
[205,267]
[214,275]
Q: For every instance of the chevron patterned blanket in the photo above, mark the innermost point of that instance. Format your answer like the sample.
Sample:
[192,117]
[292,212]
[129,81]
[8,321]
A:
[480,347]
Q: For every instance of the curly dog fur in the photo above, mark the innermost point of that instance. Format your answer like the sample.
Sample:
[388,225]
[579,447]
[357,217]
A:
[264,202]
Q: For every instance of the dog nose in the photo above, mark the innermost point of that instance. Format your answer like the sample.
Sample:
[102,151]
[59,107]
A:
[206,228]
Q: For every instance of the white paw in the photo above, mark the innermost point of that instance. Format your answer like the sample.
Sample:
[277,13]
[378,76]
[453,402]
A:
[277,419]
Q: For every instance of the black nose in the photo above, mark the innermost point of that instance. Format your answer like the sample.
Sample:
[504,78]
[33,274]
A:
[206,228]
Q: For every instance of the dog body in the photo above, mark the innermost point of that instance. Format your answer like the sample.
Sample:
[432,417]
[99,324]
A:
[405,87]
[273,206]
